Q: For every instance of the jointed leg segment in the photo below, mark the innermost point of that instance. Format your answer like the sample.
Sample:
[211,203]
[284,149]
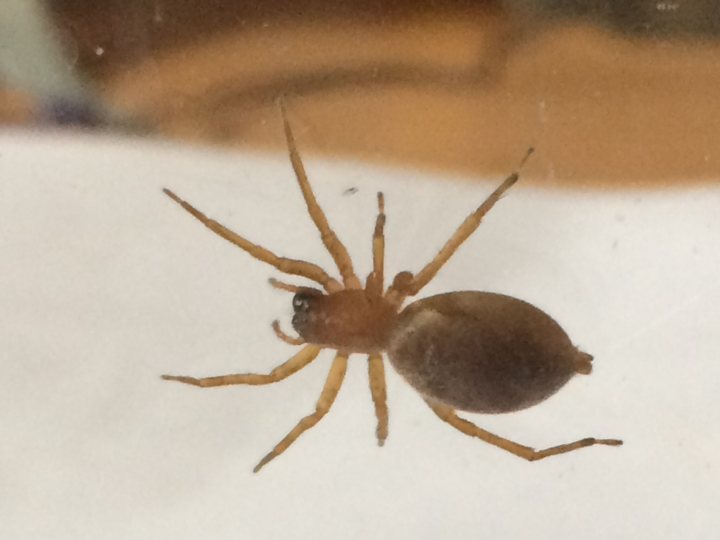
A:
[376,280]
[333,244]
[327,397]
[376,372]
[462,233]
[375,285]
[468,428]
[306,355]
[288,266]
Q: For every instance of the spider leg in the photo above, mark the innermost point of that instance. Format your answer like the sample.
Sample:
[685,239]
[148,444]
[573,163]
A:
[306,355]
[375,281]
[335,247]
[288,266]
[284,337]
[462,233]
[468,428]
[327,397]
[376,372]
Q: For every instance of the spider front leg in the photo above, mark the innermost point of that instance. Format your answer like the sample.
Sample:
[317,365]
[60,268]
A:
[335,247]
[296,363]
[327,398]
[448,415]
[285,265]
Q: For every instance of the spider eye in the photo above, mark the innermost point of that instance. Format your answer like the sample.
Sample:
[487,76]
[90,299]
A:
[301,301]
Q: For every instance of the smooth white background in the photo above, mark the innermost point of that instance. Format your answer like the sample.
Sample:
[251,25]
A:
[105,284]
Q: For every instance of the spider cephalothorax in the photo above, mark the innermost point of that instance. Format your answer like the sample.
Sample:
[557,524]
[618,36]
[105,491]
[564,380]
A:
[351,320]
[474,351]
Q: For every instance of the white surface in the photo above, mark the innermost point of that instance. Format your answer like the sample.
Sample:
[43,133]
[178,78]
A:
[105,284]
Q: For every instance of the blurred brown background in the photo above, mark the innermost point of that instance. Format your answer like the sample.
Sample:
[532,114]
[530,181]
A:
[619,93]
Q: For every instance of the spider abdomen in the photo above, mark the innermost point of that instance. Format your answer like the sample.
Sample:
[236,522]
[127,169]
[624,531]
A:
[483,352]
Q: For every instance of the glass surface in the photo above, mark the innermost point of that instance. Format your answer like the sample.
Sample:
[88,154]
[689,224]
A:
[106,283]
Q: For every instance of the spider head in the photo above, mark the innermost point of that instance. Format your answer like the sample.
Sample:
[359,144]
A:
[303,303]
[349,320]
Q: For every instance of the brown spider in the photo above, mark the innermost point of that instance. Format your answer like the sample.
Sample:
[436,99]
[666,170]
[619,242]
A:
[473,351]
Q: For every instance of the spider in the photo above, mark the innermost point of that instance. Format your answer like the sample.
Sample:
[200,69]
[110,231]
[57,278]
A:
[466,350]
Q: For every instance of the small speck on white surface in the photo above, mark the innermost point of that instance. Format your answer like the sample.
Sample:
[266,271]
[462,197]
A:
[105,284]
